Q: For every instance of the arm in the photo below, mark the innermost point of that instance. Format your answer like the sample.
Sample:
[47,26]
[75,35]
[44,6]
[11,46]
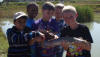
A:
[40,38]
[88,37]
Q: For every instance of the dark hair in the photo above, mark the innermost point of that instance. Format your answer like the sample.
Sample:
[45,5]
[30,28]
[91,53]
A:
[48,6]
[32,4]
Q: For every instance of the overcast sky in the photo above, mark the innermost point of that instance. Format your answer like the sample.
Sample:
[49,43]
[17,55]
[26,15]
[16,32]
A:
[1,0]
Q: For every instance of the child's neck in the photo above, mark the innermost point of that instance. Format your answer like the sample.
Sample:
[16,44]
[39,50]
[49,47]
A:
[73,25]
[30,17]
[45,19]
[58,19]
[18,29]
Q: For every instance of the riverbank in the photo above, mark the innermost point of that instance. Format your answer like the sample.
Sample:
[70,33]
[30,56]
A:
[7,11]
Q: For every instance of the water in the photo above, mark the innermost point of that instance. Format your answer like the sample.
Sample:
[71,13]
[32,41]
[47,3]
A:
[5,25]
[95,32]
[94,29]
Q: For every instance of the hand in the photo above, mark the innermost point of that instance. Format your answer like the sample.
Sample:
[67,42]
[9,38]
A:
[31,42]
[79,44]
[65,45]
[40,38]
[85,46]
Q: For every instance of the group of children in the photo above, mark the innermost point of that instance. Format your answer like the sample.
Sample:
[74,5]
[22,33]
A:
[58,19]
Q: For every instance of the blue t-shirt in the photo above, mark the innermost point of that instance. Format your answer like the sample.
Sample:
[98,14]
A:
[31,24]
[57,25]
[45,25]
[52,25]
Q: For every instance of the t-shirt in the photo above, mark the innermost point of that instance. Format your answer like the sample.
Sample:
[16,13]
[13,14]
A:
[81,31]
[58,27]
[31,24]
[45,25]
[57,24]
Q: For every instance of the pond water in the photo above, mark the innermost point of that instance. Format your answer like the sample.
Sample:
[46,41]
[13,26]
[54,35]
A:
[94,29]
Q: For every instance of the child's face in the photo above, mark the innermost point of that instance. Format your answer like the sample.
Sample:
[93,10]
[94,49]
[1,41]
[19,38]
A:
[32,11]
[20,23]
[58,13]
[69,17]
[47,14]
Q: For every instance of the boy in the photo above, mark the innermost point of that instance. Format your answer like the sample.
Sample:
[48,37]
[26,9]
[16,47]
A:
[75,29]
[47,12]
[45,25]
[32,11]
[19,45]
[59,24]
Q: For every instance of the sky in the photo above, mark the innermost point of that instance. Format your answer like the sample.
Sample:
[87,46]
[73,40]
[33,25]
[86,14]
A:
[1,0]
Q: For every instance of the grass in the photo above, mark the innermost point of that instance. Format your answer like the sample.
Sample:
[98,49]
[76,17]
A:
[3,45]
[7,11]
[97,17]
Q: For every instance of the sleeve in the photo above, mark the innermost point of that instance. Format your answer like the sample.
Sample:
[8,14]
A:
[36,24]
[87,35]
[8,33]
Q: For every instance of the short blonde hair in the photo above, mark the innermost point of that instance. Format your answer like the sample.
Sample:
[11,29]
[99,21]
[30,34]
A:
[48,6]
[69,8]
[59,5]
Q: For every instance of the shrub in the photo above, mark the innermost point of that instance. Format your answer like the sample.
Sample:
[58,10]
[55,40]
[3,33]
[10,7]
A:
[85,14]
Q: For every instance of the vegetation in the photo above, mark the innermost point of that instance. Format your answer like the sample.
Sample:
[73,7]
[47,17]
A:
[84,11]
[3,44]
[85,14]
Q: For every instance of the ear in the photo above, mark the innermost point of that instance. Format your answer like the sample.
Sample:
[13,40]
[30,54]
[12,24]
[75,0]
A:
[14,22]
[76,15]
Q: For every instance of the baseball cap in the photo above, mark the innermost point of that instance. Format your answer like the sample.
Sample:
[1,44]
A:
[19,15]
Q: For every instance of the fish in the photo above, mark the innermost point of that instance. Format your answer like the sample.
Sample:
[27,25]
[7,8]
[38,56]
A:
[58,41]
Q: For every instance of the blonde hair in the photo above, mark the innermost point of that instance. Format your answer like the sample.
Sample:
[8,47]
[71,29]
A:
[69,8]
[59,5]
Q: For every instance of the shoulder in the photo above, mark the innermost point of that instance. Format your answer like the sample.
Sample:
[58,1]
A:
[64,29]
[82,26]
[10,31]
[38,21]
[52,20]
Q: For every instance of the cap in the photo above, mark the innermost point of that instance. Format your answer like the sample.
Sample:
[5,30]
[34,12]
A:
[19,15]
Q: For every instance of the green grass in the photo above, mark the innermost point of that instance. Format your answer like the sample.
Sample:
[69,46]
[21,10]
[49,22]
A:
[97,17]
[85,14]
[3,45]
[7,11]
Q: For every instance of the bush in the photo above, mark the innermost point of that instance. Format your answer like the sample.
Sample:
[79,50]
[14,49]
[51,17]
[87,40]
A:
[85,14]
